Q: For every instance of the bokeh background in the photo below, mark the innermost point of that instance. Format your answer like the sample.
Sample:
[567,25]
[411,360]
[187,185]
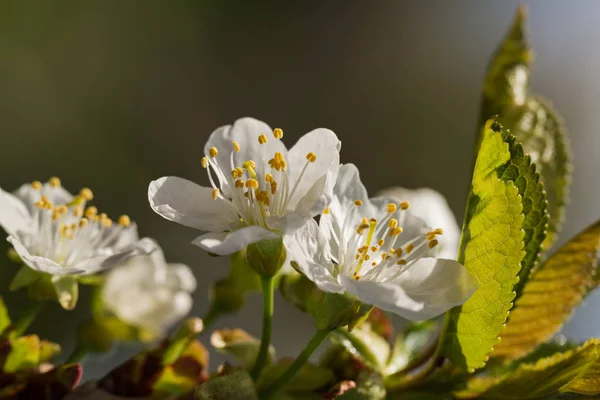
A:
[113,94]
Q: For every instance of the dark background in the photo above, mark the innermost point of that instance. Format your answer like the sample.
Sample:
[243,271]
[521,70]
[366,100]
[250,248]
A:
[113,94]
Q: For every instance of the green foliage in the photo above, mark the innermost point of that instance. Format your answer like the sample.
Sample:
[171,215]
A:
[240,345]
[368,346]
[236,386]
[553,291]
[412,347]
[4,317]
[309,379]
[492,250]
[369,386]
[24,354]
[532,120]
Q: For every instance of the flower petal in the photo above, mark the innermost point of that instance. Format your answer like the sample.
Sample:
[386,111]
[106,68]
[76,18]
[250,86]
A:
[224,243]
[108,259]
[433,208]
[245,132]
[440,284]
[180,277]
[314,188]
[189,204]
[14,214]
[41,264]
[388,296]
[306,247]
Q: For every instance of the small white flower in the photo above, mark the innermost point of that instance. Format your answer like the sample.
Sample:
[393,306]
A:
[53,233]
[379,252]
[258,187]
[148,293]
[432,208]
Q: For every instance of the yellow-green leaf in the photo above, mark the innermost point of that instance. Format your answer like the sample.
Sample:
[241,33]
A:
[24,353]
[574,371]
[4,318]
[551,294]
[492,250]
[240,345]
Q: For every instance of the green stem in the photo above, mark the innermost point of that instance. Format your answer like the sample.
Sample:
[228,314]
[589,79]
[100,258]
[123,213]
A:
[78,353]
[268,288]
[298,363]
[28,317]
[210,318]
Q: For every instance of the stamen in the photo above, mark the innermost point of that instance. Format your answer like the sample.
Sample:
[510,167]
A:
[124,221]
[404,205]
[252,184]
[393,223]
[358,203]
[91,211]
[395,231]
[83,222]
[262,139]
[239,183]
[278,162]
[402,262]
[312,157]
[213,152]
[204,162]
[236,146]
[277,133]
[391,208]
[365,256]
[43,203]
[268,177]
[77,211]
[326,210]
[433,243]
[37,185]
[54,182]
[215,194]
[380,242]
[273,187]
[439,231]
[250,167]
[86,194]
[58,212]
[409,248]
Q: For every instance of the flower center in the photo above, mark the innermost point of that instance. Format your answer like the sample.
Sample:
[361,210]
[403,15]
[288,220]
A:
[68,232]
[257,192]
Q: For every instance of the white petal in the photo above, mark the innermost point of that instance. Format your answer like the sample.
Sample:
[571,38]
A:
[440,284]
[224,243]
[110,258]
[189,204]
[41,264]
[306,247]
[181,277]
[387,296]
[14,214]
[245,132]
[433,208]
[315,188]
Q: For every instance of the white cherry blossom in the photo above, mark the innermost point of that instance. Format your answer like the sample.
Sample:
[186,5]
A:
[379,252]
[148,293]
[258,188]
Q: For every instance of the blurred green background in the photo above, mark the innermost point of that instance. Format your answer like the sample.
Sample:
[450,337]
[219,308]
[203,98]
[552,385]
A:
[113,94]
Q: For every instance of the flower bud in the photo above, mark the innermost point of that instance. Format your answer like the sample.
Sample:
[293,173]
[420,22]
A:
[267,256]
[332,311]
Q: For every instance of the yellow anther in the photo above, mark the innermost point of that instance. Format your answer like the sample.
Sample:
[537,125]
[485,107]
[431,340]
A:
[409,248]
[364,221]
[124,220]
[83,222]
[404,205]
[268,177]
[54,182]
[374,263]
[204,162]
[239,183]
[262,139]
[402,262]
[367,257]
[361,228]
[37,185]
[311,157]
[77,211]
[43,203]
[358,202]
[393,223]
[374,249]
[431,235]
[380,242]
[91,211]
[213,152]
[107,222]
[65,232]
[86,194]
[273,187]
[58,212]
[326,210]
[395,231]
[215,194]
[236,146]
[391,208]
[252,184]
[249,164]
[278,162]
[277,133]
[356,277]
[398,252]
[439,231]
[237,173]
[103,216]
[433,243]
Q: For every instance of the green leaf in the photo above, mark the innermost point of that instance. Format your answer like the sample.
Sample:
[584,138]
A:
[492,250]
[236,386]
[538,126]
[574,371]
[310,377]
[184,373]
[370,348]
[240,345]
[4,317]
[24,277]
[24,354]
[48,350]
[549,297]
[369,386]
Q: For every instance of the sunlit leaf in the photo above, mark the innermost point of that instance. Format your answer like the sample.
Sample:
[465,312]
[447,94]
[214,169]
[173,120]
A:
[240,345]
[24,353]
[492,250]
[553,291]
[4,317]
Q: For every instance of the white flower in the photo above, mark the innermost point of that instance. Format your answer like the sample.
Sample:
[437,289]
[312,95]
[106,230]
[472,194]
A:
[259,189]
[53,234]
[378,252]
[148,293]
[432,208]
